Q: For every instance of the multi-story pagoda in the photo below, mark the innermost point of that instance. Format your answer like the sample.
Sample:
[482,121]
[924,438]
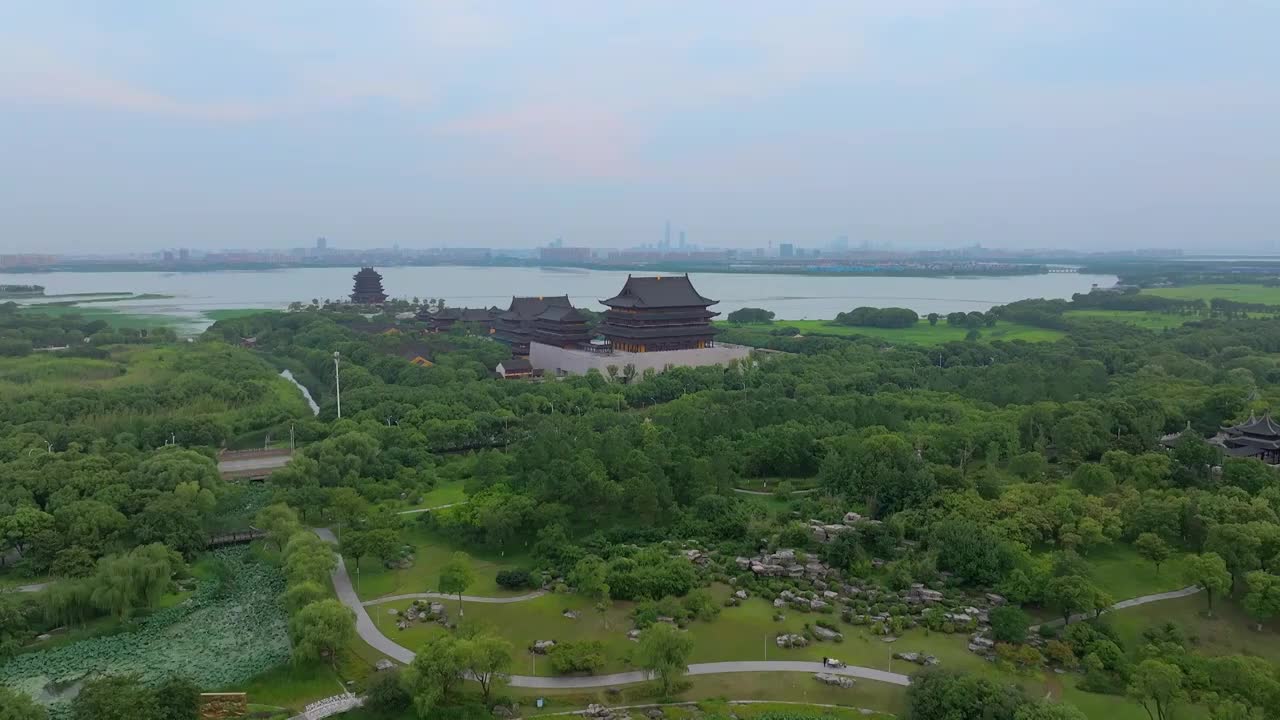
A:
[368,288]
[1254,438]
[653,314]
[515,327]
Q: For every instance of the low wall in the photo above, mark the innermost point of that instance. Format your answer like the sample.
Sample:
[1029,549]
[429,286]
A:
[555,360]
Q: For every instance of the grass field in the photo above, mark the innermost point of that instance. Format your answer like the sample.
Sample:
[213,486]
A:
[115,318]
[1229,632]
[1142,319]
[430,553]
[446,492]
[923,333]
[233,313]
[1124,574]
[1240,293]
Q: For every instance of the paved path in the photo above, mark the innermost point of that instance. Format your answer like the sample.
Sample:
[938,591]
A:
[370,633]
[438,507]
[1132,602]
[253,464]
[745,491]
[466,598]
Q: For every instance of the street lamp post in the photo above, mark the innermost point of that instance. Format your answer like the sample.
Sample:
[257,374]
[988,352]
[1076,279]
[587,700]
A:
[337,382]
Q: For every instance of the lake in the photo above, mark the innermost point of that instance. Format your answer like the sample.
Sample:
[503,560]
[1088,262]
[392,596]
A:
[792,297]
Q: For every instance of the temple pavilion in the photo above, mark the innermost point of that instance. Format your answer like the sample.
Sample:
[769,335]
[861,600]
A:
[368,288]
[653,314]
[1257,437]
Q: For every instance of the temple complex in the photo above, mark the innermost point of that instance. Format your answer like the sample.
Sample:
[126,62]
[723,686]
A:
[368,288]
[1254,438]
[444,319]
[659,313]
[515,327]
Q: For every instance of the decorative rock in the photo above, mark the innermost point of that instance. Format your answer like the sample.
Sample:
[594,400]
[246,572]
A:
[817,604]
[827,634]
[829,595]
[384,664]
[633,635]
[542,647]
[779,602]
[741,594]
[995,599]
[791,640]
[571,614]
[835,680]
[852,517]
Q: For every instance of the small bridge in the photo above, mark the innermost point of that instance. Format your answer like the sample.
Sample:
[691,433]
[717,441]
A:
[236,538]
[251,464]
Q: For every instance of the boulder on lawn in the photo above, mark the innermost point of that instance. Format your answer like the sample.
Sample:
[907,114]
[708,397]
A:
[827,634]
[542,647]
[571,614]
[834,680]
[791,640]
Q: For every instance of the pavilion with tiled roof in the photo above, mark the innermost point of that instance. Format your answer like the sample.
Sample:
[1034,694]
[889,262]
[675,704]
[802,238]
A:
[657,313]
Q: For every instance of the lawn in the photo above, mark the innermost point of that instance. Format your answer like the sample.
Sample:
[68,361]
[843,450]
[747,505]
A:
[233,313]
[430,553]
[115,318]
[1245,293]
[1229,632]
[446,492]
[1124,574]
[923,333]
[1140,318]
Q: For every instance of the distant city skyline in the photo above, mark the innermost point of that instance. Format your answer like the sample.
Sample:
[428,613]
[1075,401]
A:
[921,123]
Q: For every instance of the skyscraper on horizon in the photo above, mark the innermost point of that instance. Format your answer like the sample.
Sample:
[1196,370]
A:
[666,237]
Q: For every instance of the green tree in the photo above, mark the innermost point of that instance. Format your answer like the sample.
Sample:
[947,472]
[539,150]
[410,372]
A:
[1238,545]
[947,694]
[1009,624]
[1049,710]
[664,652]
[385,694]
[435,672]
[15,705]
[302,594]
[1071,594]
[1158,686]
[590,577]
[456,576]
[1209,571]
[488,659]
[24,525]
[114,697]
[1093,479]
[321,629]
[177,698]
[1263,598]
[1153,548]
[280,523]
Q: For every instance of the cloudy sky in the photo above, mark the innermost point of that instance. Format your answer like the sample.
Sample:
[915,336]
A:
[242,123]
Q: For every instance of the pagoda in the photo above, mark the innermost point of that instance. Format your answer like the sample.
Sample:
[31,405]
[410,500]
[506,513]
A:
[652,314]
[368,288]
[1254,438]
[515,326]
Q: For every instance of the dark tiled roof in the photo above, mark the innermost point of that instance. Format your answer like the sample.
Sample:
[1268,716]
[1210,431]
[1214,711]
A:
[529,307]
[516,364]
[1263,426]
[658,291]
[561,314]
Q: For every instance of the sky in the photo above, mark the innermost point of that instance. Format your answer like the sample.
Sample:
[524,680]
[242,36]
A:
[922,123]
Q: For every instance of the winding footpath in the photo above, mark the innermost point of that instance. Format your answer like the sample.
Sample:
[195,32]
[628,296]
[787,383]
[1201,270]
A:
[370,633]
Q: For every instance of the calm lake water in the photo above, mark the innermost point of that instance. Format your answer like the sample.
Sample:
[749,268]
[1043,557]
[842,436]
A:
[792,297]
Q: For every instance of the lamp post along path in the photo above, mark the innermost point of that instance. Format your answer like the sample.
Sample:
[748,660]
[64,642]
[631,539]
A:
[337,382]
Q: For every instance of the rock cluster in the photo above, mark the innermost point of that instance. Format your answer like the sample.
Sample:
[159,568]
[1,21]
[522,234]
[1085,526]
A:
[602,712]
[836,680]
[542,647]
[791,640]
[917,658]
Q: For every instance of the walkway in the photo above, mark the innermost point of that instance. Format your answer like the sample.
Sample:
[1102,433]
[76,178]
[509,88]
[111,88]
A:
[1131,602]
[370,633]
[438,507]
[745,491]
[466,598]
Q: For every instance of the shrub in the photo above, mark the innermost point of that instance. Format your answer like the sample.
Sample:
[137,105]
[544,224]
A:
[385,694]
[514,579]
[570,657]
[1009,624]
